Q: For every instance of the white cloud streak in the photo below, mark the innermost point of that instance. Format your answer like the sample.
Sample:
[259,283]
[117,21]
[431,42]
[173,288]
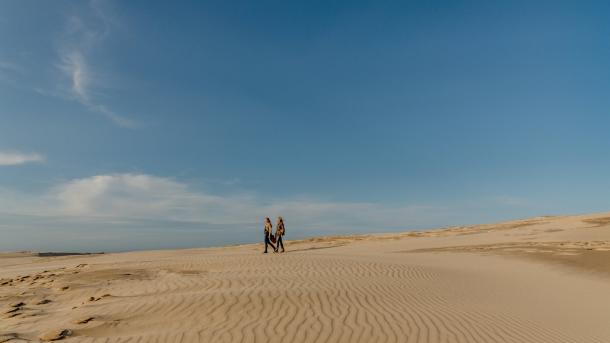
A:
[131,197]
[80,39]
[16,158]
[73,64]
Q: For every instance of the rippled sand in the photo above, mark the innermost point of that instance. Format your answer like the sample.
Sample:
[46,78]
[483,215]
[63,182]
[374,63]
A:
[544,279]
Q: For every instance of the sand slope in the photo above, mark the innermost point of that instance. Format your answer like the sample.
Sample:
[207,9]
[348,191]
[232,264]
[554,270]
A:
[538,280]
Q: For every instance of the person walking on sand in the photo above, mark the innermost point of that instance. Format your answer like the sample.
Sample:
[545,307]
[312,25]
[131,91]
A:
[280,230]
[268,233]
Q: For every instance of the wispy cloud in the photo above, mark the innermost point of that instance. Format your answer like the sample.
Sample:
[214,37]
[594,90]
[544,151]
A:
[127,211]
[78,77]
[16,158]
[147,196]
[73,64]
[79,40]
[131,197]
[75,67]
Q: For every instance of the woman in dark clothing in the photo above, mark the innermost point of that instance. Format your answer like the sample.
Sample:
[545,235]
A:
[280,230]
[268,233]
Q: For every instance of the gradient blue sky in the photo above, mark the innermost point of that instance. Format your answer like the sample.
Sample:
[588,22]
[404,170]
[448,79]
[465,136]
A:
[143,124]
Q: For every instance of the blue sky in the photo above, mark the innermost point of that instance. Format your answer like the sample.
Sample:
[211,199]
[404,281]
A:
[138,124]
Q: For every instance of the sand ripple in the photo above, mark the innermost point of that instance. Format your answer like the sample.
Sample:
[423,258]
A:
[362,293]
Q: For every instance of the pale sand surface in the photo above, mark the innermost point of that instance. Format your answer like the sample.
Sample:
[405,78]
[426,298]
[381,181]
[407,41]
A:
[544,279]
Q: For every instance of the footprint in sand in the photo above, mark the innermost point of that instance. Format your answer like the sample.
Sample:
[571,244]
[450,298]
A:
[6,337]
[84,320]
[5,282]
[23,278]
[99,298]
[13,310]
[55,335]
[32,314]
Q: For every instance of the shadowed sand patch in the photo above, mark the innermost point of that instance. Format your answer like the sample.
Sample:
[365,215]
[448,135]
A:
[105,275]
[600,221]
[587,256]
[59,254]
[55,335]
[10,337]
[84,320]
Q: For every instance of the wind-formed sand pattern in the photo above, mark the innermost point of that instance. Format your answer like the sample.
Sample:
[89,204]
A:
[507,282]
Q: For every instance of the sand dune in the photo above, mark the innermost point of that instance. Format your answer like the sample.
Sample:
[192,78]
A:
[543,279]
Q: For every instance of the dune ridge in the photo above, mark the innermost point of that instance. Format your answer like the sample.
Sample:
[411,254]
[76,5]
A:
[536,280]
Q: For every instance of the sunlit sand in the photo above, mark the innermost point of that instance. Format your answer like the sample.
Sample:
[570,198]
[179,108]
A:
[543,279]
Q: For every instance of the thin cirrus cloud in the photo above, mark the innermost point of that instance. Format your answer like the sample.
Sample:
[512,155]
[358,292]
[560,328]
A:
[79,40]
[147,196]
[75,68]
[73,65]
[143,197]
[16,158]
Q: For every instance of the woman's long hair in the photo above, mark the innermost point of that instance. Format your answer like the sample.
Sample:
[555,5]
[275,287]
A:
[280,220]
